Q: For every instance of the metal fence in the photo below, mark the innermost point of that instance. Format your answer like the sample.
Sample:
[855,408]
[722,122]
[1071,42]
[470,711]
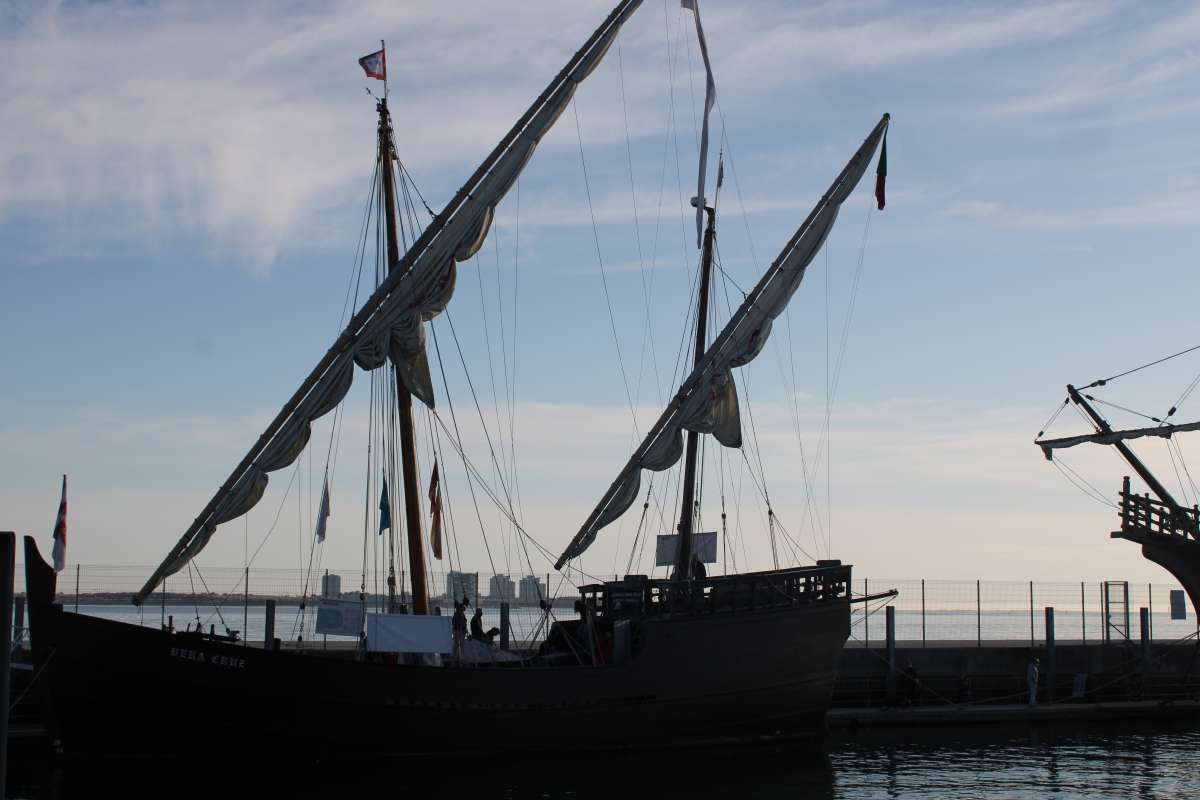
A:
[929,612]
[937,611]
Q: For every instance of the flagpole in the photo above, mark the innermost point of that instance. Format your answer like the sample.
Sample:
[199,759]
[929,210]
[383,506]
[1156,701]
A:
[383,49]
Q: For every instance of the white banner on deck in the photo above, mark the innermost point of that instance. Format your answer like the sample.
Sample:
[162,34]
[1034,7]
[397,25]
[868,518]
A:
[340,617]
[704,546]
[408,633]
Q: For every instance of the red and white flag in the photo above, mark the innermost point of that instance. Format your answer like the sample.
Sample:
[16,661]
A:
[60,532]
[375,65]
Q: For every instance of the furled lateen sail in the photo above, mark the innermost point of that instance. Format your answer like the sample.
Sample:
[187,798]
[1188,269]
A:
[707,400]
[389,324]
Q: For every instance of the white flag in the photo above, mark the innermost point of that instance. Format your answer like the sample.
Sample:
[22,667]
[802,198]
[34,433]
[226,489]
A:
[323,514]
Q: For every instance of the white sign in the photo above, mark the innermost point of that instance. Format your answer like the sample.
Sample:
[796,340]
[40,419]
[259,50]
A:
[408,633]
[339,617]
[704,545]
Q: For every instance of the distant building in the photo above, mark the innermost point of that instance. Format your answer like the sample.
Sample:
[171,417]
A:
[459,584]
[331,585]
[530,591]
[501,587]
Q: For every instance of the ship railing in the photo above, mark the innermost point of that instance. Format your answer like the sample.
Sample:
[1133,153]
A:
[1143,514]
[638,596]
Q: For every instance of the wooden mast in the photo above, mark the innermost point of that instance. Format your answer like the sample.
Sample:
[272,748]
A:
[408,446]
[1123,449]
[683,555]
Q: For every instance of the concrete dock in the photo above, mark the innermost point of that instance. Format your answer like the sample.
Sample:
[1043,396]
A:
[977,679]
[847,718]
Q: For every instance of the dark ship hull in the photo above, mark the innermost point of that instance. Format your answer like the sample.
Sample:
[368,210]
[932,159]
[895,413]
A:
[748,659]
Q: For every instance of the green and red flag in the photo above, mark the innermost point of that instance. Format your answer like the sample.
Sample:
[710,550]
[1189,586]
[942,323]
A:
[881,173]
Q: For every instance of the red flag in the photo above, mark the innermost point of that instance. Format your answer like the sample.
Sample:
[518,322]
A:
[375,65]
[435,503]
[60,531]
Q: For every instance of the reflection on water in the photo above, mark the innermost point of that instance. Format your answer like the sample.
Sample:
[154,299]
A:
[1066,761]
[1097,762]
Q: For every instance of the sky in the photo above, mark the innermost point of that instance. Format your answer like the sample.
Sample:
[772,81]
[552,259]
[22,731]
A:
[182,189]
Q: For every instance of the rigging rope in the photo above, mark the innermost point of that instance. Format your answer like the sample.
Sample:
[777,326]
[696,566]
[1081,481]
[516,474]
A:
[1122,408]
[1179,478]
[1066,401]
[473,472]
[1082,483]
[793,404]
[600,260]
[454,419]
[1103,381]
[1186,393]
[1183,463]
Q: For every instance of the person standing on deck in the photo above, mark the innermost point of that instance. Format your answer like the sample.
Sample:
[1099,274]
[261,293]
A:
[459,625]
[1031,678]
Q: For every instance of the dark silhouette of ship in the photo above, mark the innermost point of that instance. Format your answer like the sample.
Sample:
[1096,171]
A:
[645,663]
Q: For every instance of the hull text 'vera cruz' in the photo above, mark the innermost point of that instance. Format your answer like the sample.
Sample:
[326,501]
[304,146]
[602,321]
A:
[641,661]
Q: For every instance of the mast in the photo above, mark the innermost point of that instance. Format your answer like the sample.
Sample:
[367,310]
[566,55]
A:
[408,447]
[1123,449]
[459,228]
[738,343]
[687,513]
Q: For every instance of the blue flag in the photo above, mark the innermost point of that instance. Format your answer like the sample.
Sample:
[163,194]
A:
[385,510]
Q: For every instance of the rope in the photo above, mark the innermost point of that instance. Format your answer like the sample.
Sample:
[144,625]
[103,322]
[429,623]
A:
[1079,482]
[1186,393]
[1175,466]
[473,471]
[454,419]
[1066,401]
[600,260]
[32,681]
[1122,408]
[1186,471]
[1103,381]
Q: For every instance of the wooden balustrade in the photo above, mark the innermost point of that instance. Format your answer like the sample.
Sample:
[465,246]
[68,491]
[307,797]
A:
[1141,513]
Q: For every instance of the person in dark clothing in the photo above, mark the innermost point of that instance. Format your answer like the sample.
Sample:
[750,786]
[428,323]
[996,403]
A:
[698,571]
[477,631]
[458,625]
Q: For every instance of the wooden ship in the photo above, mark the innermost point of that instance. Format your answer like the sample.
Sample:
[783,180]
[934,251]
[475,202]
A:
[645,663]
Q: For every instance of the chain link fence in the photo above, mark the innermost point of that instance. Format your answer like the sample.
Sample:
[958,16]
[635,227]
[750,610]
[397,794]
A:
[928,612]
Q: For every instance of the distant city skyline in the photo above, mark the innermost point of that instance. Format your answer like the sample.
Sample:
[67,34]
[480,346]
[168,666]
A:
[182,190]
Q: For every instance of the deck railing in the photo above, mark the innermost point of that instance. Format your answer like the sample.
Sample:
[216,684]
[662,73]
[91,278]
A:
[640,596]
[1141,513]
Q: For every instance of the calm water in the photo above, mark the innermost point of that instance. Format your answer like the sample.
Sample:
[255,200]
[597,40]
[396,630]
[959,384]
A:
[1100,762]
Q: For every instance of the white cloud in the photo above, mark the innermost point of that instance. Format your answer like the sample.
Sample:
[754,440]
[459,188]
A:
[973,209]
[246,128]
[1132,68]
[838,37]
